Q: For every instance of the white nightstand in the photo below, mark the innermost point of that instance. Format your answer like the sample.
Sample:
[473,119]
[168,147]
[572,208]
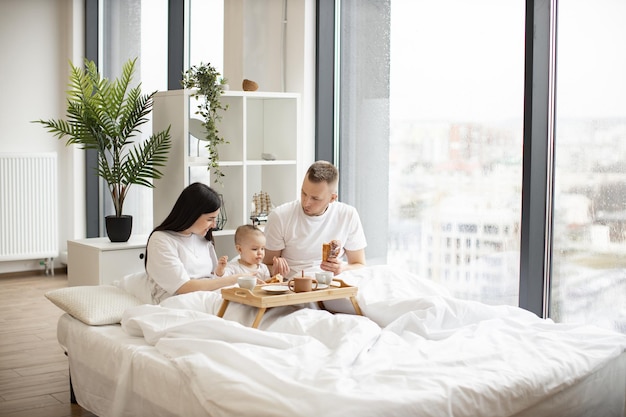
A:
[99,261]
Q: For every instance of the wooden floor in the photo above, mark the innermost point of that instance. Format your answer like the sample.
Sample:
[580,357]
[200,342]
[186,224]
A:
[34,380]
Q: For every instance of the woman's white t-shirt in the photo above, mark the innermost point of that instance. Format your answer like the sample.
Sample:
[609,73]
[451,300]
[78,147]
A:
[175,258]
[300,237]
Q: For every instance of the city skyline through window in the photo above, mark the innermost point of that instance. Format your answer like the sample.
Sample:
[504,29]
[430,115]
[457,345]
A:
[455,101]
[589,260]
[456,115]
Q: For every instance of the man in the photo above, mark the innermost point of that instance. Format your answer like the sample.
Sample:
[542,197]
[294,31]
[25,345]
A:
[295,231]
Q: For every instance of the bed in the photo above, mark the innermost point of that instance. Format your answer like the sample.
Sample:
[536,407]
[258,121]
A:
[415,352]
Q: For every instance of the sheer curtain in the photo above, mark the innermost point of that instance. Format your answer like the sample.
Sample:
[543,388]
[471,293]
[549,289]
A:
[134,28]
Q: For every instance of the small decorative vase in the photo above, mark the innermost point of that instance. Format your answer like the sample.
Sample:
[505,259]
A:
[249,85]
[119,228]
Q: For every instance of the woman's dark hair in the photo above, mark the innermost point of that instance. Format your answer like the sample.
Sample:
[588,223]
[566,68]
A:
[195,200]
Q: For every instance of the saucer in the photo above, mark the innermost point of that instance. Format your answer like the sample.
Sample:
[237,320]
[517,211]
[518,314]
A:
[321,286]
[275,289]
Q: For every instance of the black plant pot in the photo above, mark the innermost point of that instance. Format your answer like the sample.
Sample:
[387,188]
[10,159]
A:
[119,228]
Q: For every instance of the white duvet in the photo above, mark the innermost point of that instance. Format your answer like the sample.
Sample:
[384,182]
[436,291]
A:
[416,352]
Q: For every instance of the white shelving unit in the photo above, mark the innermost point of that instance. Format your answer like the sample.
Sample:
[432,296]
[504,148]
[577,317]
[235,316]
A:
[255,123]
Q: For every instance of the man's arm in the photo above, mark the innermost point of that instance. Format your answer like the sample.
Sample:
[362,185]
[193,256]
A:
[355,259]
[269,257]
[275,263]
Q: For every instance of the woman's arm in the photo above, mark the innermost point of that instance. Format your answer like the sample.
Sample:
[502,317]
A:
[168,266]
[207,284]
[210,284]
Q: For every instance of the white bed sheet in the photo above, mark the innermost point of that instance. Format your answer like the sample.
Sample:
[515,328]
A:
[418,352]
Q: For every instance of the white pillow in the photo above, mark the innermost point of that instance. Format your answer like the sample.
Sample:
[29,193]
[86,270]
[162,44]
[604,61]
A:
[94,305]
[137,284]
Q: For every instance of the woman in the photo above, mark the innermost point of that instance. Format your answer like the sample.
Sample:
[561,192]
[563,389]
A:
[180,255]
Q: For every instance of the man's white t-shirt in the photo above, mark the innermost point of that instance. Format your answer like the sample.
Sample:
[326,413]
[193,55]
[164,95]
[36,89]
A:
[300,237]
[174,259]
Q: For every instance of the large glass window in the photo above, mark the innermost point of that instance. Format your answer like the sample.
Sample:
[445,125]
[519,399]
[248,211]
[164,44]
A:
[134,29]
[431,137]
[589,259]
[206,33]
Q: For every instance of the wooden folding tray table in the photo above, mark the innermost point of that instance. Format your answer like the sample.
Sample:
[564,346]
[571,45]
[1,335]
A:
[263,300]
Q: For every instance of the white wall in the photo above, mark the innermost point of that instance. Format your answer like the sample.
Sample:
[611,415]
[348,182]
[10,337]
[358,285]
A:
[253,49]
[38,38]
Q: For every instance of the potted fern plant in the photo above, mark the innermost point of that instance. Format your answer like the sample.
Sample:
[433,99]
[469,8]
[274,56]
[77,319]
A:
[106,116]
[207,84]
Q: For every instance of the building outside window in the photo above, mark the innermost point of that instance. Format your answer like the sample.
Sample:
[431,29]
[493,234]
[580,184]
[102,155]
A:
[450,88]
[589,247]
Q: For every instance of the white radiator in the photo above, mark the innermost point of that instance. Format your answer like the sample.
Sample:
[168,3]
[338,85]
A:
[28,206]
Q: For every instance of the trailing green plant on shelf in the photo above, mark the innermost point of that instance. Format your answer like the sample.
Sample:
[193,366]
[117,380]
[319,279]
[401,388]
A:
[207,83]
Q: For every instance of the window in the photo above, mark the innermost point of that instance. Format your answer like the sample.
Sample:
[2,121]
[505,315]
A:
[206,33]
[438,88]
[138,28]
[134,28]
[589,261]
[467,228]
[491,229]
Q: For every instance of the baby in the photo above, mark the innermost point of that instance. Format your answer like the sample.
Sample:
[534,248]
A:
[250,243]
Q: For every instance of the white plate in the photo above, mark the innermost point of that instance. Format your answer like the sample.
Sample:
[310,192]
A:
[321,286]
[275,289]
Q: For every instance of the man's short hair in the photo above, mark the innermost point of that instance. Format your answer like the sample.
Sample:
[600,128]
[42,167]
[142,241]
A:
[323,171]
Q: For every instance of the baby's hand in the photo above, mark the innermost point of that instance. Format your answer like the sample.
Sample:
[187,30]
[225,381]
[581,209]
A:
[223,260]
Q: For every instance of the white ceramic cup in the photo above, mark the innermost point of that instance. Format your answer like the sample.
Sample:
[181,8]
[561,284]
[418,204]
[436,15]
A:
[247,282]
[324,277]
